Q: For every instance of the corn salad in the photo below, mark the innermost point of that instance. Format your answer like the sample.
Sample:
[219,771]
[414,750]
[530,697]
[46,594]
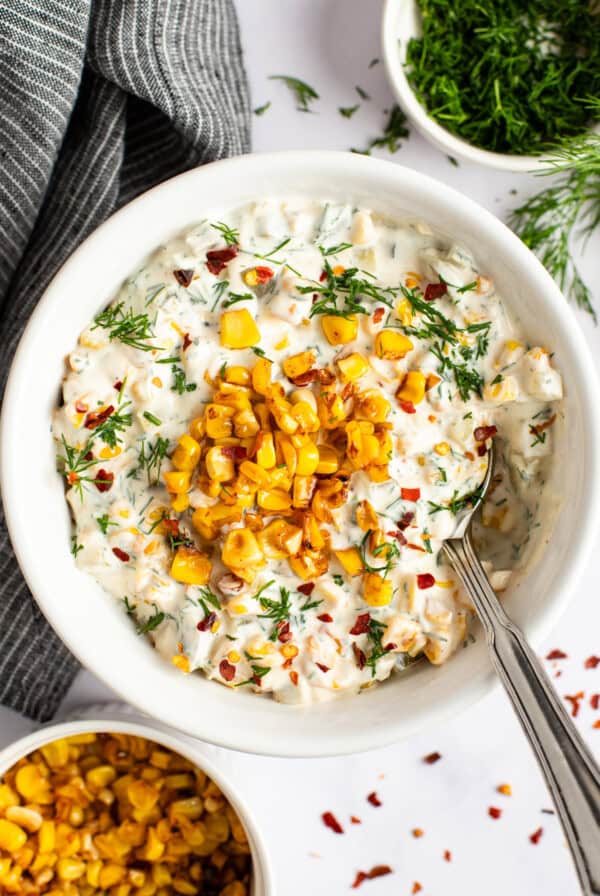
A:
[266,437]
[121,815]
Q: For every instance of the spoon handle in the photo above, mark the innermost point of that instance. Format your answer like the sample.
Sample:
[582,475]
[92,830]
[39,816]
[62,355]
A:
[567,765]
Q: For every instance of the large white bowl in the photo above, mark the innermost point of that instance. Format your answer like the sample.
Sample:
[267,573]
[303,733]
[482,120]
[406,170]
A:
[94,626]
[112,718]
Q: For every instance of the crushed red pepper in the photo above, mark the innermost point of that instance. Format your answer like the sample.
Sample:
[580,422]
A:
[104,480]
[425,580]
[410,494]
[186,341]
[376,871]
[355,819]
[123,556]
[447,855]
[596,724]
[494,812]
[535,837]
[417,832]
[595,701]
[184,276]
[556,655]
[416,887]
[435,291]
[432,758]
[361,626]
[216,259]
[331,822]
[227,670]
[575,700]
[374,799]
[592,662]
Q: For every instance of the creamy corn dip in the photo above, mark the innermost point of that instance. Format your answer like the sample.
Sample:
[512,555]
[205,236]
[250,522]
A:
[266,436]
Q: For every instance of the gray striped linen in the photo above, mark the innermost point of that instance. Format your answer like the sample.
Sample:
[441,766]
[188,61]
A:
[99,100]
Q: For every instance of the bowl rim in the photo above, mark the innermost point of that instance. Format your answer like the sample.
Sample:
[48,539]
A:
[345,166]
[110,719]
[434,132]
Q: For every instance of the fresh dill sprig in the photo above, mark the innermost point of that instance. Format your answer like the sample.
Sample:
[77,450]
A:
[180,383]
[276,610]
[375,636]
[458,502]
[75,548]
[229,234]
[548,221]
[303,93]
[394,132]
[348,111]
[208,596]
[260,110]
[235,297]
[150,458]
[104,522]
[389,551]
[350,287]
[508,76]
[109,430]
[151,623]
[131,329]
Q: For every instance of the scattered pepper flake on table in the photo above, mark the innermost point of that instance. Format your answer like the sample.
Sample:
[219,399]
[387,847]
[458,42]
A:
[494,812]
[595,701]
[557,655]
[447,855]
[504,789]
[374,799]
[596,724]
[355,819]
[417,832]
[330,821]
[592,662]
[416,887]
[535,837]
[376,871]
[432,758]
[575,700]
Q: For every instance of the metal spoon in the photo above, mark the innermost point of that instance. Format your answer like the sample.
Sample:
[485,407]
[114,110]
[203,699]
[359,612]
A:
[567,765]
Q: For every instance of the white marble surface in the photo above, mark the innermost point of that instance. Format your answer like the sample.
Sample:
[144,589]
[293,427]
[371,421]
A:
[330,43]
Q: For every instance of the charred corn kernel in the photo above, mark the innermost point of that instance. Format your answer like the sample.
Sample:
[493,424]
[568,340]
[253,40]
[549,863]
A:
[328,461]
[307,455]
[302,491]
[27,818]
[275,500]
[371,405]
[190,566]
[219,466]
[32,785]
[47,837]
[352,367]
[366,517]
[442,448]
[110,875]
[405,313]
[261,376]
[7,797]
[289,651]
[298,364]
[153,848]
[70,869]
[339,330]
[238,375]
[177,481]
[241,548]
[283,343]
[413,387]
[238,329]
[245,424]
[392,345]
[107,452]
[233,656]
[187,453]
[181,662]
[332,412]
[218,421]
[350,560]
[255,473]
[179,503]
[12,837]
[431,381]
[377,592]
[100,776]
[183,886]
[305,416]
[235,888]
[265,450]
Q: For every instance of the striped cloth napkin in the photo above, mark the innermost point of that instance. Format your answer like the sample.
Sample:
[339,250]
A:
[99,100]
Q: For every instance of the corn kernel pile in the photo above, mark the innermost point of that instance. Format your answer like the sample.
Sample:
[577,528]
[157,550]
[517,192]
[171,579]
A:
[120,815]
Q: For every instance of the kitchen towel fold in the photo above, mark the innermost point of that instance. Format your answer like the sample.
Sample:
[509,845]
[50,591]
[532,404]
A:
[99,100]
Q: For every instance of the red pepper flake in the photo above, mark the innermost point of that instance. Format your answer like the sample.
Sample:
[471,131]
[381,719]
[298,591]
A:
[416,888]
[88,456]
[325,617]
[556,654]
[435,291]
[322,278]
[405,520]
[374,799]
[361,660]
[118,385]
[184,276]
[361,626]
[595,701]
[227,670]
[123,556]
[425,580]
[378,314]
[504,789]
[494,812]
[432,758]
[355,819]
[417,832]
[80,407]
[483,433]
[574,700]
[95,418]
[407,406]
[376,871]
[447,855]
[307,588]
[216,259]
[330,821]
[207,623]
[398,536]
[283,632]
[306,378]
[410,494]
[592,662]
[263,273]
[104,480]
[294,677]
[322,667]
[481,450]
[535,837]
[416,547]
[186,341]
[235,452]
[596,724]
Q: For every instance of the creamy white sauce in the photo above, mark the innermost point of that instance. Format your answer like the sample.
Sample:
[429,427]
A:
[433,449]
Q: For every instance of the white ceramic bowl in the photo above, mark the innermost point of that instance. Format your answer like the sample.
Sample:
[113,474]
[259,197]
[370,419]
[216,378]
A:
[94,626]
[400,22]
[107,719]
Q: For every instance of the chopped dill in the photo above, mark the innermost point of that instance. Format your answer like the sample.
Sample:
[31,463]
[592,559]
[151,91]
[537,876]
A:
[303,93]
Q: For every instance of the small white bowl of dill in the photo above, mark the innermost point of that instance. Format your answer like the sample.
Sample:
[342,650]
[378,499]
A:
[494,83]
